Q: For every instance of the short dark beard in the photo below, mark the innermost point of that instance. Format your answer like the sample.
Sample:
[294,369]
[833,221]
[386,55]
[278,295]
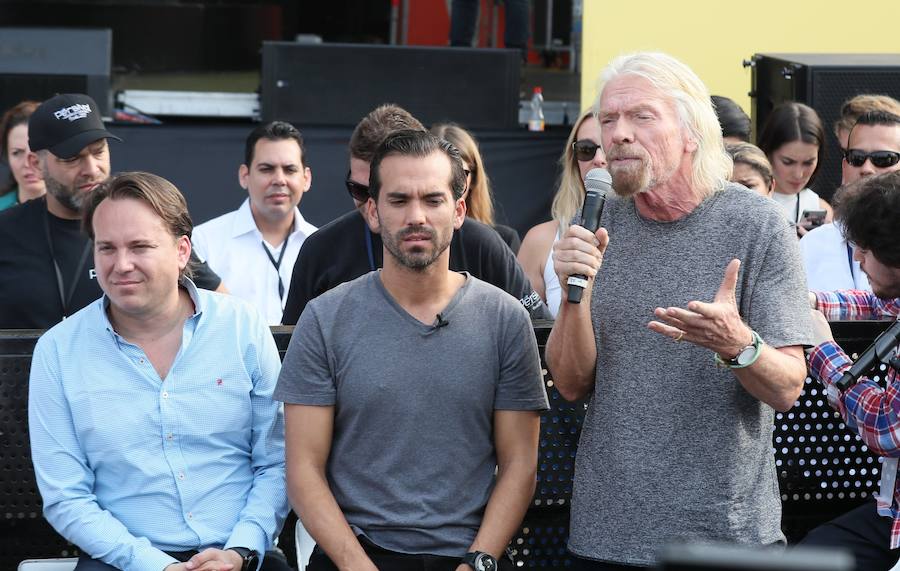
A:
[416,263]
[69,198]
[888,292]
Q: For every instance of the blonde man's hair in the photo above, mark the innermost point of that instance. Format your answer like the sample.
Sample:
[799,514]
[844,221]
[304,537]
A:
[375,127]
[854,107]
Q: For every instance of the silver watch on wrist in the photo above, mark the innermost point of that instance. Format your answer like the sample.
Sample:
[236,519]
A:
[745,357]
[480,561]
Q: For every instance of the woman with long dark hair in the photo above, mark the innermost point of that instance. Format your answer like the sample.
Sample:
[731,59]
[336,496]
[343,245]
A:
[794,141]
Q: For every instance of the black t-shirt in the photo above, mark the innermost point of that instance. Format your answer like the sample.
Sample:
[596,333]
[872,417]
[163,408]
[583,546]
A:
[510,237]
[71,250]
[203,276]
[30,295]
[340,251]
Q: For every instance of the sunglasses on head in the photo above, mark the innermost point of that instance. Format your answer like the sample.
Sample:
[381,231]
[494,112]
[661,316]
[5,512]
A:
[585,150]
[880,159]
[359,192]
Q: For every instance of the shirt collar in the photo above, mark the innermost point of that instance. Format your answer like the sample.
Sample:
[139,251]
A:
[893,307]
[184,282]
[243,222]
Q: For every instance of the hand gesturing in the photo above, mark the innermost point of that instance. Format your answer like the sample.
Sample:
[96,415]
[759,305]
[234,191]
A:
[716,325]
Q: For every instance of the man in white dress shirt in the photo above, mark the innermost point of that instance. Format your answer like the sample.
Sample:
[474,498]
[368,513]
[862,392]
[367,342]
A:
[254,247]
[873,147]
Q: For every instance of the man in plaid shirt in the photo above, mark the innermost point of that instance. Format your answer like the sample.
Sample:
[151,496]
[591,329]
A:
[870,213]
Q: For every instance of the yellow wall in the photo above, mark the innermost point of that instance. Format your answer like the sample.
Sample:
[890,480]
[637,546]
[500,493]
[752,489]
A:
[713,37]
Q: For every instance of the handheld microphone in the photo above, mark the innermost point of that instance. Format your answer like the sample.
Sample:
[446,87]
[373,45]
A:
[878,352]
[597,183]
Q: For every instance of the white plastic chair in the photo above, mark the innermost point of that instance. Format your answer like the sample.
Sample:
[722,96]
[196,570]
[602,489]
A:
[305,545]
[48,564]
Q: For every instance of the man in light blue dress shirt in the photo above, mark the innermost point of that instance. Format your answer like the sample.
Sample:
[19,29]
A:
[155,440]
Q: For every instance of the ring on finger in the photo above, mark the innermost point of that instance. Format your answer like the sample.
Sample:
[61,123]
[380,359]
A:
[680,336]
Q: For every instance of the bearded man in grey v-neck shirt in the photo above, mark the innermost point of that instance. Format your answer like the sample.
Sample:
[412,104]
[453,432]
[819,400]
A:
[407,388]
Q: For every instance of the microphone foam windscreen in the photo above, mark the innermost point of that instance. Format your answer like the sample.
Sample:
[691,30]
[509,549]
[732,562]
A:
[598,180]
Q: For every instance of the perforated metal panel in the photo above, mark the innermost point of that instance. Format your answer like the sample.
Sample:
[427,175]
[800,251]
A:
[23,531]
[15,455]
[541,543]
[560,430]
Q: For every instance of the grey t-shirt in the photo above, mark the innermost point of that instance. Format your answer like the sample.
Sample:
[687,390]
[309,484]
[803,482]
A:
[672,447]
[412,458]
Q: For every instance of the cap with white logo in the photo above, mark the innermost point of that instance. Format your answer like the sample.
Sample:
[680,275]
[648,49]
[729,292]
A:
[65,124]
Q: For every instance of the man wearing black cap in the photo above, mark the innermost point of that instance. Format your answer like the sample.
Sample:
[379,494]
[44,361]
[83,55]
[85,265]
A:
[46,270]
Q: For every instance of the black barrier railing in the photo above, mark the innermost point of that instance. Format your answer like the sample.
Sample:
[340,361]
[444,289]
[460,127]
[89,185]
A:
[823,468]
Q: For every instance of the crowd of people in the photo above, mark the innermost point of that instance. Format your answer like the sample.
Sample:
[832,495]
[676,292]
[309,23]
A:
[403,423]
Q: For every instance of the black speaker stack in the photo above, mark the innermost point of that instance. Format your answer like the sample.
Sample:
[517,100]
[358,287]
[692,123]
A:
[38,63]
[338,84]
[824,82]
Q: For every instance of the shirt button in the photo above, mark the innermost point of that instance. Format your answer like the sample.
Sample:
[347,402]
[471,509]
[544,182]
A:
[190,515]
[142,360]
[170,436]
[181,475]
[165,394]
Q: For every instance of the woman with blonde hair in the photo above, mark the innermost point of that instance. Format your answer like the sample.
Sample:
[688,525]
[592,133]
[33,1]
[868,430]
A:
[478,195]
[582,153]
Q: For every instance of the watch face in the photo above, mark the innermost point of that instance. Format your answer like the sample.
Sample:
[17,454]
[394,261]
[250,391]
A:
[744,356]
[251,561]
[485,562]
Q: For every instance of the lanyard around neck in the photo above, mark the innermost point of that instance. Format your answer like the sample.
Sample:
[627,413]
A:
[370,250]
[65,297]
[277,263]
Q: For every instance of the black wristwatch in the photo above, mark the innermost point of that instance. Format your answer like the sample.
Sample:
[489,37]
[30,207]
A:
[480,561]
[250,557]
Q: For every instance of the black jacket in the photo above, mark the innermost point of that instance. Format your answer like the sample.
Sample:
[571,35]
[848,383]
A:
[339,252]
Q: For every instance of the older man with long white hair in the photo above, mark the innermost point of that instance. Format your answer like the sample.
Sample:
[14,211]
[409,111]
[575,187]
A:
[689,335]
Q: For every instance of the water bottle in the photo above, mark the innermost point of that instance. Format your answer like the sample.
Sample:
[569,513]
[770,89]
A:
[536,121]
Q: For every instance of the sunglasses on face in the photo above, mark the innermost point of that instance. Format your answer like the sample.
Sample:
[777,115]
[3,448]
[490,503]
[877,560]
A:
[585,150]
[880,159]
[359,192]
